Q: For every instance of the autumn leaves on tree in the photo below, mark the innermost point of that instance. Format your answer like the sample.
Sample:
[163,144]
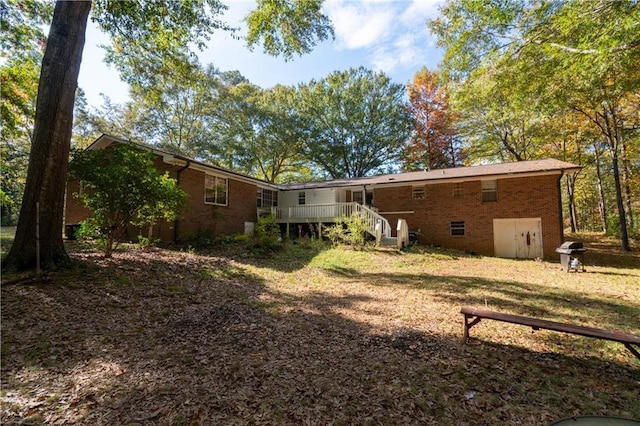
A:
[434,143]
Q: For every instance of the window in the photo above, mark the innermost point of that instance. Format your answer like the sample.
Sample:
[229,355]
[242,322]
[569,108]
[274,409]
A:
[358,197]
[302,198]
[215,190]
[267,197]
[458,189]
[489,191]
[457,229]
[419,193]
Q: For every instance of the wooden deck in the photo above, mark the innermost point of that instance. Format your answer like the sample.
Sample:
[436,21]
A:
[331,213]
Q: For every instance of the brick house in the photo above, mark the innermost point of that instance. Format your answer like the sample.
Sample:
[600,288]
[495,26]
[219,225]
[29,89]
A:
[220,201]
[508,210]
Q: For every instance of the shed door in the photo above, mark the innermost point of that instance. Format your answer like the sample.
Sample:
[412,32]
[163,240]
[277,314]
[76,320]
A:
[517,238]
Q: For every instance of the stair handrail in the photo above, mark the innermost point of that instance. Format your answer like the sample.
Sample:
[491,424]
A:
[372,218]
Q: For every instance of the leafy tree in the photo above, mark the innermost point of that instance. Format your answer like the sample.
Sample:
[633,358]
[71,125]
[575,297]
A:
[21,22]
[160,33]
[256,131]
[269,143]
[110,118]
[554,57]
[494,123]
[288,27]
[434,142]
[18,83]
[176,113]
[280,132]
[121,188]
[21,44]
[356,122]
[230,123]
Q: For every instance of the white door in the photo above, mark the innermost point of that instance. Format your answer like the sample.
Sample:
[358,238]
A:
[518,238]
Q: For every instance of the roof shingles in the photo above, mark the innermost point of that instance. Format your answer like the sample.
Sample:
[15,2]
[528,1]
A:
[549,165]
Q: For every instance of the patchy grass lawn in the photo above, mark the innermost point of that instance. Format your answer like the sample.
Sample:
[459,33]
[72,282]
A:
[311,336]
[6,238]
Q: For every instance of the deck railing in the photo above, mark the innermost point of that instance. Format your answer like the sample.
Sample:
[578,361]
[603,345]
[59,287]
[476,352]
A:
[332,212]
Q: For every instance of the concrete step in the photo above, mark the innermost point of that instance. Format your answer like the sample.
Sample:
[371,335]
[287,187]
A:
[389,242]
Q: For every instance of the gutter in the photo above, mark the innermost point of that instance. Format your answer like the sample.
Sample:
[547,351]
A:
[177,222]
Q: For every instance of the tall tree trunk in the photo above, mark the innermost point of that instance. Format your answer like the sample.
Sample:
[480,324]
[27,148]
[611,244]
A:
[571,185]
[622,217]
[47,172]
[626,182]
[602,207]
[606,121]
[614,140]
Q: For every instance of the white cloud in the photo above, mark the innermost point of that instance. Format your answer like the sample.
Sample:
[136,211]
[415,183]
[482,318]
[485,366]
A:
[421,10]
[403,52]
[393,33]
[359,24]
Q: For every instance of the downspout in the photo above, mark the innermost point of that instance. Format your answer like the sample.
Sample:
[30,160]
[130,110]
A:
[176,222]
[562,172]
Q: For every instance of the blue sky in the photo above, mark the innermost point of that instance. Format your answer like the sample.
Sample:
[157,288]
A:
[388,36]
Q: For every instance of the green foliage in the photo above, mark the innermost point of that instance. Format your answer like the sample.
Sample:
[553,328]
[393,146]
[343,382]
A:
[268,130]
[89,230]
[151,41]
[548,78]
[110,118]
[356,122]
[267,234]
[146,243]
[288,27]
[21,23]
[348,230]
[7,234]
[21,41]
[178,112]
[121,187]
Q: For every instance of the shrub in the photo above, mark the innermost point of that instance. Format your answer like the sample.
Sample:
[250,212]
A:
[123,188]
[267,233]
[349,230]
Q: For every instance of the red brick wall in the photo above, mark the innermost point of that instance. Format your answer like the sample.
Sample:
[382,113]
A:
[208,219]
[196,217]
[523,197]
[75,212]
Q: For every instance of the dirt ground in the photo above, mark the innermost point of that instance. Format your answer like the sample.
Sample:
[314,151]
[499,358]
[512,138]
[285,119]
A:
[313,337]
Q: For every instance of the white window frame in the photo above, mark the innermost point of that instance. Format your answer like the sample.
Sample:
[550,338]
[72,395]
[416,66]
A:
[458,189]
[213,190]
[302,198]
[270,201]
[489,191]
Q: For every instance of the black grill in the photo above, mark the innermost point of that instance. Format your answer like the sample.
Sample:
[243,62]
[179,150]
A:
[572,256]
[571,247]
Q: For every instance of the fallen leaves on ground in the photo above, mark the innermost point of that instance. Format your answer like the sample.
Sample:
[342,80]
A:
[169,338]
